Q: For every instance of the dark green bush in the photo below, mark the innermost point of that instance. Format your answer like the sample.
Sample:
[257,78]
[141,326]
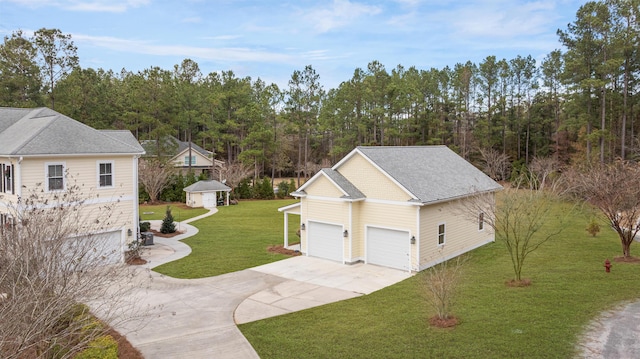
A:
[167,223]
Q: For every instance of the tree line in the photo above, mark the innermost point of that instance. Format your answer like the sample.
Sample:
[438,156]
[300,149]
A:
[577,104]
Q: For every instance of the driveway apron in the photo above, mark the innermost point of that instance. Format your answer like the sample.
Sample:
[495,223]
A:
[194,318]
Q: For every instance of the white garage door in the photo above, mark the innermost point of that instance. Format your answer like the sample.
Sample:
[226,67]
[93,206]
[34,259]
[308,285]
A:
[325,241]
[388,247]
[97,249]
[208,200]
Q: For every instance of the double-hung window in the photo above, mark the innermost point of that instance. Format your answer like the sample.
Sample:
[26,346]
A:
[105,174]
[6,180]
[55,176]
[441,234]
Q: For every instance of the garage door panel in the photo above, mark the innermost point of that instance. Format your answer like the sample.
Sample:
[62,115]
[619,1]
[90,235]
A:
[388,247]
[325,241]
[96,249]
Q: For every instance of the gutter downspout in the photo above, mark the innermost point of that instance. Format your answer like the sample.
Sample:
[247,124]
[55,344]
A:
[18,178]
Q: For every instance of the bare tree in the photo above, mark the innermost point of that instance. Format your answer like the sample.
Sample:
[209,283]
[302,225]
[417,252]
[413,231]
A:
[154,175]
[613,189]
[496,164]
[541,168]
[52,259]
[522,220]
[441,285]
[235,173]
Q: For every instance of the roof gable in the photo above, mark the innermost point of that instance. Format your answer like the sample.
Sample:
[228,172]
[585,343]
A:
[429,173]
[43,131]
[339,182]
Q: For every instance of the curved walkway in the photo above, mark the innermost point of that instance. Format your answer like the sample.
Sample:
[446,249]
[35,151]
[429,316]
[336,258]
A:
[196,318]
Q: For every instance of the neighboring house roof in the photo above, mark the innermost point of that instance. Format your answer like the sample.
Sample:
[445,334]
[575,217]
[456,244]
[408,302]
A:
[207,186]
[429,173]
[175,146]
[42,131]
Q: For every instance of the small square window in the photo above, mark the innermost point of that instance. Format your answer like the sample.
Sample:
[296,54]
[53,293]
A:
[186,160]
[441,234]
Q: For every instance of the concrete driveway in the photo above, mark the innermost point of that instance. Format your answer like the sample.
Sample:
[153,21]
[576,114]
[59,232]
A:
[196,318]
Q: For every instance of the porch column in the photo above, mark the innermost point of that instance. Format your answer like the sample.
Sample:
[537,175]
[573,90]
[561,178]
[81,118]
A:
[286,229]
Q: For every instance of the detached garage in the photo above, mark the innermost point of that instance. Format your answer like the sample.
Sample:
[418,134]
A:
[394,206]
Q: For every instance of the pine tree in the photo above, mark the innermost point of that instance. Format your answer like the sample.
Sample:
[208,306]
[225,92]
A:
[167,223]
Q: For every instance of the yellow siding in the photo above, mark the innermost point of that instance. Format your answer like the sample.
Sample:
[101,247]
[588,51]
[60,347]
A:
[200,159]
[461,232]
[120,200]
[321,186]
[195,200]
[370,181]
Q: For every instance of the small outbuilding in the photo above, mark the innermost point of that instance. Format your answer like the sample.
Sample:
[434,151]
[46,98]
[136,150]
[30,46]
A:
[207,194]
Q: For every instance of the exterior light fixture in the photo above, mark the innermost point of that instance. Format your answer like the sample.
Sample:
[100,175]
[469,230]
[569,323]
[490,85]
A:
[129,232]
[345,234]
[413,239]
[302,227]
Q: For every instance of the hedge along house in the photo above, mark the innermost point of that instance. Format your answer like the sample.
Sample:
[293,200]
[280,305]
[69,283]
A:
[207,193]
[44,151]
[400,207]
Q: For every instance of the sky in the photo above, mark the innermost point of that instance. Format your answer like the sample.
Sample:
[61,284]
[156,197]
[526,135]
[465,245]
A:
[271,39]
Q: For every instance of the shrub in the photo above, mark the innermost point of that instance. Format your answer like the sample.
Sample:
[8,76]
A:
[167,223]
[283,189]
[145,226]
[103,347]
[243,190]
[593,227]
[263,189]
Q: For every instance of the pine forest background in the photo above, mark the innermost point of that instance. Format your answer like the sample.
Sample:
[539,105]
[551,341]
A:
[579,104]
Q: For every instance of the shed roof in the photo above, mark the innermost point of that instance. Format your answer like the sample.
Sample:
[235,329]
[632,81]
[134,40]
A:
[42,131]
[207,186]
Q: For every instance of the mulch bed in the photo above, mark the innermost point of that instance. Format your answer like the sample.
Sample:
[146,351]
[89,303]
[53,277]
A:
[443,322]
[627,259]
[283,250]
[125,349]
[518,283]
[165,235]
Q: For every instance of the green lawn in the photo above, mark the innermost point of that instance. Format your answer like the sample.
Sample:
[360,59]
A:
[570,287]
[233,239]
[180,211]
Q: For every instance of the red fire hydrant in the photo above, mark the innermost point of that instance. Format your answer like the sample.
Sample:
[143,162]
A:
[607,266]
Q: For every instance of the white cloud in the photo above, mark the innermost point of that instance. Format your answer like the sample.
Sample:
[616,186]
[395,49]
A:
[501,19]
[205,53]
[338,14]
[85,6]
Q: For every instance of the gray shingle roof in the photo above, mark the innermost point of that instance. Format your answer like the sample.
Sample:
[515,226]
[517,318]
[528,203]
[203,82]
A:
[207,186]
[430,173]
[42,131]
[344,184]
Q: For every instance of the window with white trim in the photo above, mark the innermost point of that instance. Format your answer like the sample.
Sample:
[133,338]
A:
[186,160]
[441,234]
[105,174]
[55,176]
[6,178]
[481,221]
